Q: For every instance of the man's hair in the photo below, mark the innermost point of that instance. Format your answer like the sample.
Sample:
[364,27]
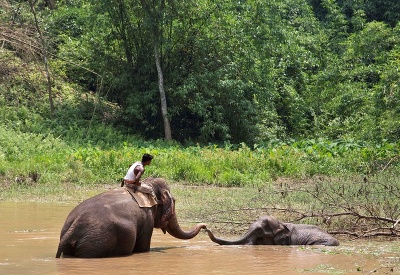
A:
[146,157]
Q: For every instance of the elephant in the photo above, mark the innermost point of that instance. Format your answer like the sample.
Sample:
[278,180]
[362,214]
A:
[112,223]
[268,230]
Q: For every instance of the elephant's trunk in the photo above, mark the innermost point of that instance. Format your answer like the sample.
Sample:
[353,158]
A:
[242,241]
[174,229]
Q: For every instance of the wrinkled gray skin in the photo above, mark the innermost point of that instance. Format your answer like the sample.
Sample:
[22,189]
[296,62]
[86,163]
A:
[112,224]
[267,230]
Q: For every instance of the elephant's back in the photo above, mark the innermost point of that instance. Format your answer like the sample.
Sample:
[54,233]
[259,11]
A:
[305,234]
[105,202]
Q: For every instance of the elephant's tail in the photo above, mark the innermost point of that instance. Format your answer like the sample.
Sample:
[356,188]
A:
[59,251]
[61,246]
[64,245]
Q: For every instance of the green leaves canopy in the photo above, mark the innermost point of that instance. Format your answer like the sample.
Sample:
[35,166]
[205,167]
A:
[239,71]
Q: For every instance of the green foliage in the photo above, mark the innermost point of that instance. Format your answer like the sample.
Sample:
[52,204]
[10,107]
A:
[234,72]
[383,10]
[22,154]
[211,165]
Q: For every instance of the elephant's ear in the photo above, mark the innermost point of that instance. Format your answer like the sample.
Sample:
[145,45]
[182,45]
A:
[280,229]
[168,209]
[277,226]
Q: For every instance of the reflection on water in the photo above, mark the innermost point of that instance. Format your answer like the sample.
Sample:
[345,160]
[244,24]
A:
[29,235]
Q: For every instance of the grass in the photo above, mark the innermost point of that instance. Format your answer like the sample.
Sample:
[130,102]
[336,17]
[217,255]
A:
[50,157]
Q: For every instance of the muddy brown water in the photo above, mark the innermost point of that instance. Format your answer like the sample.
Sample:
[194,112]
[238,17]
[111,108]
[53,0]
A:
[29,235]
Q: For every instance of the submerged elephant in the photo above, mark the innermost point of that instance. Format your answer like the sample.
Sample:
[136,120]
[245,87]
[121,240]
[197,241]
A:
[112,223]
[267,230]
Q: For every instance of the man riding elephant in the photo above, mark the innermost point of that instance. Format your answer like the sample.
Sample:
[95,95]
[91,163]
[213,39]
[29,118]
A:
[132,181]
[135,171]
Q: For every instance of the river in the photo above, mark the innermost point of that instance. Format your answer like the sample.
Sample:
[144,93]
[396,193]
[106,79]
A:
[29,235]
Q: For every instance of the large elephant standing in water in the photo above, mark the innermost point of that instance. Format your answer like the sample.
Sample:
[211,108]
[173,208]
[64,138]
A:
[267,230]
[112,223]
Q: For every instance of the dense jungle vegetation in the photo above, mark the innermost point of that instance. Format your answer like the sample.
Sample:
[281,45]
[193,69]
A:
[223,93]
[232,71]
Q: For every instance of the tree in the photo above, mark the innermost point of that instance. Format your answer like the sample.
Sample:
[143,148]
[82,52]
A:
[44,54]
[25,35]
[234,71]
[383,10]
[129,30]
[155,18]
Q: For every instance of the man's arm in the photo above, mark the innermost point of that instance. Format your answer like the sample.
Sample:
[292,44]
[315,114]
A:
[139,170]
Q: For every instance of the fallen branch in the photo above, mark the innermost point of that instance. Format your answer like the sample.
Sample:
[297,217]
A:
[390,161]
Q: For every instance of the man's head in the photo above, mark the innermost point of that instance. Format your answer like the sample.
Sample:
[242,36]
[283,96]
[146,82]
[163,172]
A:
[146,159]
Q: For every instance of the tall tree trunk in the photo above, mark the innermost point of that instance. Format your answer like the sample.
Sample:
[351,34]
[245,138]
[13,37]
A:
[46,65]
[164,109]
[154,15]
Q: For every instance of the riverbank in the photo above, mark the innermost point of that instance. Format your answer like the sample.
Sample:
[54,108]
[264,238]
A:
[339,205]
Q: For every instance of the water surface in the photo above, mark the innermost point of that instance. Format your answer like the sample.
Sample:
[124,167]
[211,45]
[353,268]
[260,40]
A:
[29,235]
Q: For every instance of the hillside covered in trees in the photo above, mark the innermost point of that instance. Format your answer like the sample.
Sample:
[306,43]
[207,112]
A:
[203,71]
